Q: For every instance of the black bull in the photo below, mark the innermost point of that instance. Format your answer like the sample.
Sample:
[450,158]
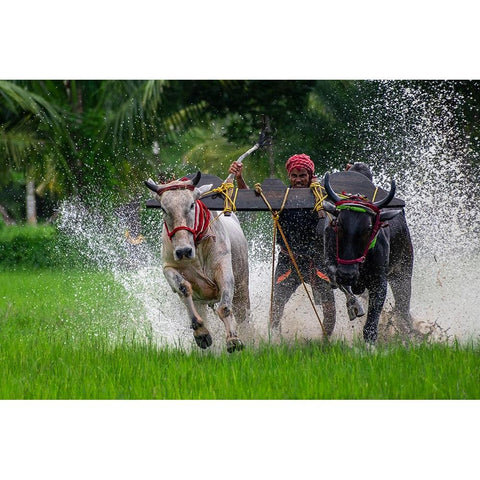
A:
[367,247]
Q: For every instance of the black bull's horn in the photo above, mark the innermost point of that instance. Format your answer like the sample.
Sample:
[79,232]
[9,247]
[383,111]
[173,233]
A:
[379,204]
[196,178]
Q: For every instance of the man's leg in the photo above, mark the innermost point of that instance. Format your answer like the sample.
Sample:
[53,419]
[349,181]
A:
[286,282]
[323,294]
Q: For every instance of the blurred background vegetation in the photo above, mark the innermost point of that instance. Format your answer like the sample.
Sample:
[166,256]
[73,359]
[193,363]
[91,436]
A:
[94,138]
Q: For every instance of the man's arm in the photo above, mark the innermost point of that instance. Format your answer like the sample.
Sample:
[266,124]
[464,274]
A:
[236,169]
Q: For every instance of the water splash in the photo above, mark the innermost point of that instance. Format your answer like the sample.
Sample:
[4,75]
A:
[415,133]
[407,129]
[99,234]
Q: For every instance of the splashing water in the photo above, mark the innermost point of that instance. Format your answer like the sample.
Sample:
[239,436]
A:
[101,237]
[406,129]
[419,133]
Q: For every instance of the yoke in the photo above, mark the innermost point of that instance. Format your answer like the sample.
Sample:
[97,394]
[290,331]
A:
[343,183]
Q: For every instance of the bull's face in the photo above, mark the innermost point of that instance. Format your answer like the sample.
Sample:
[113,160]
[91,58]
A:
[353,232]
[178,208]
[178,201]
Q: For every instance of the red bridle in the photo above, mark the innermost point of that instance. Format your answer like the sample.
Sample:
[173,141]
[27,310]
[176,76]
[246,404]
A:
[165,188]
[202,221]
[202,214]
[358,204]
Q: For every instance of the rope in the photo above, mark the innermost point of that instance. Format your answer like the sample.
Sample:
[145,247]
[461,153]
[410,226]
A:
[226,190]
[320,195]
[276,225]
[274,241]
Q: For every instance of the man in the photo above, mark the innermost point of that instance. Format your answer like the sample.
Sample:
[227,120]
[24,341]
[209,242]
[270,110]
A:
[304,233]
[360,167]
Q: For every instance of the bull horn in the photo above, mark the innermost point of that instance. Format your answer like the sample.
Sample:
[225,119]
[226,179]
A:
[328,188]
[151,185]
[385,201]
[196,178]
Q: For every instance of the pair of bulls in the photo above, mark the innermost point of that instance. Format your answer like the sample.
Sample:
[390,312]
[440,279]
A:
[205,257]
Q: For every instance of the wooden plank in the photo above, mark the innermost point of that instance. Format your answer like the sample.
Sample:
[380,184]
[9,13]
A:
[298,198]
[354,183]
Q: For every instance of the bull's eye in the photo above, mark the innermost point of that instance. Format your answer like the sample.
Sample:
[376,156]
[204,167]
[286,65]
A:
[192,206]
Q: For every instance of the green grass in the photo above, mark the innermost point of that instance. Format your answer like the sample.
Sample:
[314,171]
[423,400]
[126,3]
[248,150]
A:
[63,336]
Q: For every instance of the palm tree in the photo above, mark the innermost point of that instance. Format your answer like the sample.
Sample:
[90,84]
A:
[85,136]
[29,125]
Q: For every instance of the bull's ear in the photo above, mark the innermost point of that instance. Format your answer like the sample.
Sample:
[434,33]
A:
[330,207]
[203,189]
[389,213]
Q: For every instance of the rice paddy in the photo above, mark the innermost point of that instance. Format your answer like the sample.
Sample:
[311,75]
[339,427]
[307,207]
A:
[64,335]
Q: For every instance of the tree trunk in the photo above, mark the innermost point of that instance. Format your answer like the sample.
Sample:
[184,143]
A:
[267,128]
[6,217]
[31,203]
[75,98]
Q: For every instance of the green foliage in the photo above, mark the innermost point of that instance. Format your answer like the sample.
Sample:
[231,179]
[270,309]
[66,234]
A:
[36,247]
[25,246]
[90,137]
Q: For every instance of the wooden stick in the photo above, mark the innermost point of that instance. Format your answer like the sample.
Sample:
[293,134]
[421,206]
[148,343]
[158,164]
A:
[240,160]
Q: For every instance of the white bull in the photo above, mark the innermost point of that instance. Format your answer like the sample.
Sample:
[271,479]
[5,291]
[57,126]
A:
[205,259]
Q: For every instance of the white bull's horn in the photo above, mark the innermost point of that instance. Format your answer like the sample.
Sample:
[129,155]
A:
[152,185]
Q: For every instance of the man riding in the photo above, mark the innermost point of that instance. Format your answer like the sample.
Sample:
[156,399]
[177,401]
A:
[303,231]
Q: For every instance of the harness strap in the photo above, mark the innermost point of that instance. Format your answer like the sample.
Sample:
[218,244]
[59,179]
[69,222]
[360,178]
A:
[283,277]
[226,189]
[357,204]
[202,222]
[165,188]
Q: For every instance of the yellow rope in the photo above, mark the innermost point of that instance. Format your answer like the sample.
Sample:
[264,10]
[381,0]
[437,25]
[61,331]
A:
[275,216]
[276,225]
[375,194]
[226,190]
[274,241]
[320,195]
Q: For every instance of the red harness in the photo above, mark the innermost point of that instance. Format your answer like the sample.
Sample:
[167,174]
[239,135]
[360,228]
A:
[202,214]
[202,221]
[176,187]
[369,208]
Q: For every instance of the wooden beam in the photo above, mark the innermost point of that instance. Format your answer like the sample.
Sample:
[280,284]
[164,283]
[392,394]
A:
[298,198]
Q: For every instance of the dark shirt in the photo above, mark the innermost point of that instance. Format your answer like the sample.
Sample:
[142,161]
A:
[300,228]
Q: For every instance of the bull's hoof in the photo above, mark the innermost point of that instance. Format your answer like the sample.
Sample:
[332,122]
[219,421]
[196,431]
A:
[203,341]
[234,344]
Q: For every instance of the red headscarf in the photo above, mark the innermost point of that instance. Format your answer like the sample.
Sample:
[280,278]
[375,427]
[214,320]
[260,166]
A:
[300,161]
